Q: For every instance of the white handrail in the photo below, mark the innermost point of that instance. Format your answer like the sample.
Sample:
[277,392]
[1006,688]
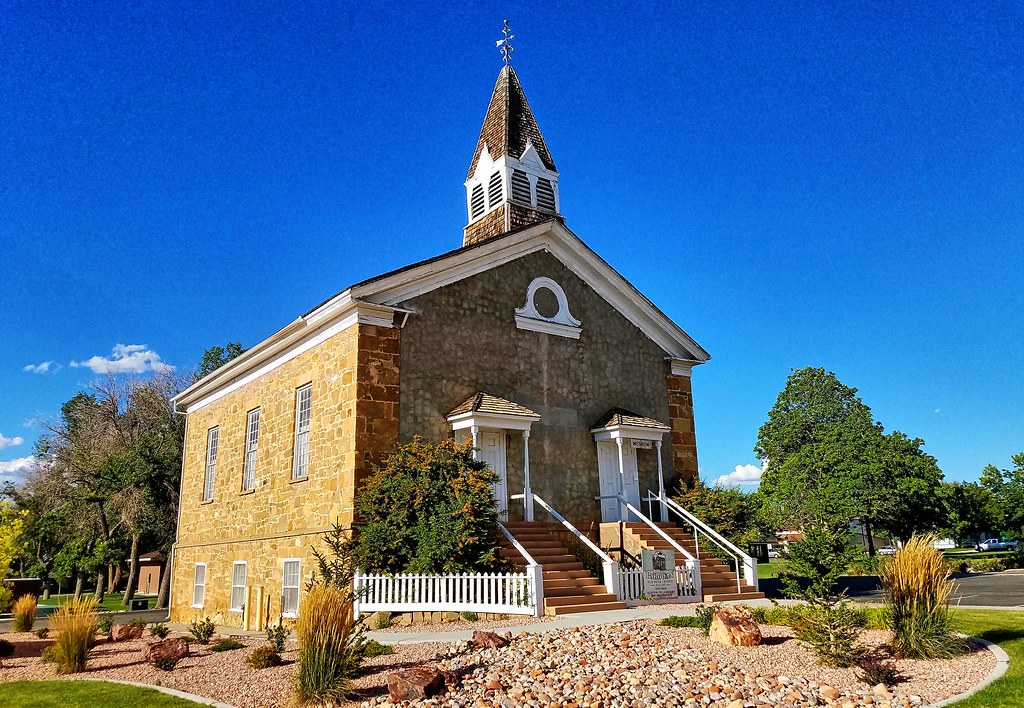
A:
[534,570]
[518,546]
[749,567]
[579,534]
[644,519]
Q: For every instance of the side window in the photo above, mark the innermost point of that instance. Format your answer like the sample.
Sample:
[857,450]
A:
[303,402]
[238,572]
[199,585]
[290,588]
[252,439]
[212,438]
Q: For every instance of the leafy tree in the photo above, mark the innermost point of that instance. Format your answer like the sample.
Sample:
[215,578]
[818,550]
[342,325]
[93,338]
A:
[1007,487]
[970,510]
[12,545]
[429,509]
[905,499]
[217,356]
[730,511]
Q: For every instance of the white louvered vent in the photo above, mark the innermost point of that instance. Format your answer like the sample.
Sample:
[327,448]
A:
[521,187]
[494,189]
[545,195]
[476,204]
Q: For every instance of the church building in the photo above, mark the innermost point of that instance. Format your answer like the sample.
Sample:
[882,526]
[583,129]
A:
[573,385]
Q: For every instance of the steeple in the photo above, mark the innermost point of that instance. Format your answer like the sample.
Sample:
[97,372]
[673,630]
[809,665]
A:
[512,179]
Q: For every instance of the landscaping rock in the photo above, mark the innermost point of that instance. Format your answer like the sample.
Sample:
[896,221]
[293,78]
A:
[125,632]
[176,648]
[734,626]
[489,640]
[414,684]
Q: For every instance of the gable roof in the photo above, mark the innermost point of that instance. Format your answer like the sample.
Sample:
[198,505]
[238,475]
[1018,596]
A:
[376,300]
[621,416]
[509,124]
[481,402]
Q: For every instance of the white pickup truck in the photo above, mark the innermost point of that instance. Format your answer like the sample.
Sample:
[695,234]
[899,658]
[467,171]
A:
[994,544]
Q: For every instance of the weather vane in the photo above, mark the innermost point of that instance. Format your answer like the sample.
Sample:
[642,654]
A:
[505,44]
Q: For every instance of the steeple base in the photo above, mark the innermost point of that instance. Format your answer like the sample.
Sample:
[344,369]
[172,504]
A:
[507,217]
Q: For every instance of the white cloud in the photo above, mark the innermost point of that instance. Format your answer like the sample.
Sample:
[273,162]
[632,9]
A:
[126,359]
[10,442]
[742,476]
[14,470]
[46,367]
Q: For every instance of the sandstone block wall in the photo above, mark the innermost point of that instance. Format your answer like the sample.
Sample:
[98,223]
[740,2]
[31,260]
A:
[684,436]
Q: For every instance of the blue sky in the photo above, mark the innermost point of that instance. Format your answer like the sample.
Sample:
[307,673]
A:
[794,184]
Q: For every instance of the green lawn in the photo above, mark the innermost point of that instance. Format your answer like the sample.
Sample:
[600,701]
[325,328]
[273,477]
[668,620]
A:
[968,554]
[769,569]
[1006,628]
[111,602]
[84,694]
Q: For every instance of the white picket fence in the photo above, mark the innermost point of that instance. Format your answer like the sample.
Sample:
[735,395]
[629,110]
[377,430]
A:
[499,593]
[632,586]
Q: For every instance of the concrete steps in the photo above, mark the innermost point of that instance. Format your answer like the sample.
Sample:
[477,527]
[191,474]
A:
[568,586]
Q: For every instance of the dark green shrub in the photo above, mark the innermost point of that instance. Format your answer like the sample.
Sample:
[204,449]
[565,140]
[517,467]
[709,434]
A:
[469,616]
[226,645]
[202,630]
[263,658]
[814,564]
[1015,558]
[105,623]
[166,663]
[6,648]
[140,624]
[987,565]
[277,637]
[43,632]
[429,509]
[831,629]
[159,630]
[374,648]
[680,621]
[877,668]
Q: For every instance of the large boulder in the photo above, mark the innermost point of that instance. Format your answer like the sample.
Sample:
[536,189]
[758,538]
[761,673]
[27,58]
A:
[414,684]
[125,632]
[166,649]
[489,640]
[734,626]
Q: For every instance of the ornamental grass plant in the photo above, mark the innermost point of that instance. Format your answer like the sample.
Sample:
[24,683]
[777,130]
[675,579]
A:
[75,623]
[329,644]
[917,593]
[24,611]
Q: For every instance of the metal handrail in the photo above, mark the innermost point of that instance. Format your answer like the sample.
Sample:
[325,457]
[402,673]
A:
[605,558]
[644,519]
[518,546]
[719,540]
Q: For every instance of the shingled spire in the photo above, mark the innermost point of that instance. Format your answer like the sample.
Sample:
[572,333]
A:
[512,179]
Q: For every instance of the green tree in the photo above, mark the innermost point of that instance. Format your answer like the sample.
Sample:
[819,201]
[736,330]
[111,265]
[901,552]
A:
[905,494]
[429,509]
[217,356]
[1007,487]
[730,511]
[970,510]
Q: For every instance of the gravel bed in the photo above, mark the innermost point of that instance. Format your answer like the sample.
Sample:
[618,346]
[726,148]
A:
[633,664]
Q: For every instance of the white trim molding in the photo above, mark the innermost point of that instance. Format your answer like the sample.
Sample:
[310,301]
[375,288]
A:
[562,323]
[492,421]
[683,367]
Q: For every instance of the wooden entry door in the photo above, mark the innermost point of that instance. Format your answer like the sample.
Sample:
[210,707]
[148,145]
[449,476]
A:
[608,473]
[492,451]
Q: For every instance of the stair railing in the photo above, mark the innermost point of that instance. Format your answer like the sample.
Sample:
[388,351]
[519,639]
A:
[534,571]
[612,581]
[742,560]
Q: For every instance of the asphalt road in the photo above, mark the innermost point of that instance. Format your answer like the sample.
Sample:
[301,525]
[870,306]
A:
[976,589]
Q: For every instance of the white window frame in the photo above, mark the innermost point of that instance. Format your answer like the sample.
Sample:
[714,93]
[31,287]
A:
[212,448]
[243,586]
[285,587]
[252,441]
[197,586]
[300,453]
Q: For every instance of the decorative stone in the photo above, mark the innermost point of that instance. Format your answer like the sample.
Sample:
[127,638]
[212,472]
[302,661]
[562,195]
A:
[414,684]
[124,633]
[828,692]
[734,626]
[168,648]
[489,640]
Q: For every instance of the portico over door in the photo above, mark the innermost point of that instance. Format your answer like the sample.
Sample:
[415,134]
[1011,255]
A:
[617,471]
[487,420]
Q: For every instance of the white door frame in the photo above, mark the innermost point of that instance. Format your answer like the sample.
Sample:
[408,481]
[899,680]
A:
[492,450]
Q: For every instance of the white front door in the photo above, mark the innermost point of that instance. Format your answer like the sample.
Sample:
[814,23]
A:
[608,472]
[492,451]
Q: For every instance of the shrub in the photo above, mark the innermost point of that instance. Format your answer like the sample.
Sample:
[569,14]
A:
[6,648]
[986,565]
[680,621]
[957,566]
[1015,558]
[43,632]
[382,620]
[226,645]
[75,623]
[469,616]
[705,613]
[831,629]
[374,648]
[776,614]
[429,509]
[814,564]
[140,624]
[159,630]
[6,595]
[263,658]
[48,655]
[166,662]
[277,636]
[24,613]
[876,668]
[105,622]
[329,640]
[917,591]
[202,630]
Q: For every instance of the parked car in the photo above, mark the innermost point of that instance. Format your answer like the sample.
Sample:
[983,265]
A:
[994,544]
[774,554]
[887,551]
